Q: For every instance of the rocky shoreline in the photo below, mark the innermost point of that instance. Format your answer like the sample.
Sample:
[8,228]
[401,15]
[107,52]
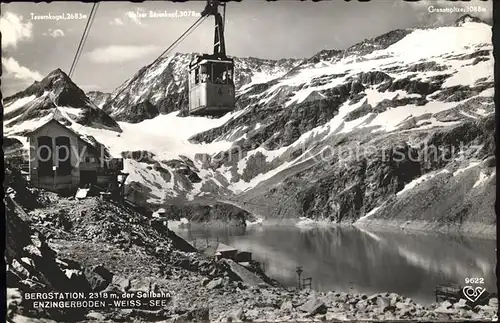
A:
[469,229]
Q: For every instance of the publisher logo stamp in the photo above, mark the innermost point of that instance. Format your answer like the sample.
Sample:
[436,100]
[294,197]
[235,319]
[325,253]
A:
[473,289]
[473,293]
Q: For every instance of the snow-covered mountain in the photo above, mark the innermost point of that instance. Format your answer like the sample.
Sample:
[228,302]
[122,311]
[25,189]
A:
[397,129]
[162,87]
[99,98]
[56,96]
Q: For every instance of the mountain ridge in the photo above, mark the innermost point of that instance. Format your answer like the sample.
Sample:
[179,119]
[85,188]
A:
[99,98]
[385,94]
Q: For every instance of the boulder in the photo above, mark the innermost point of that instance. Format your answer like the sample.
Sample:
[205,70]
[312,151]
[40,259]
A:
[240,273]
[446,308]
[383,302]
[340,297]
[362,305]
[122,282]
[95,316]
[216,283]
[235,315]
[314,306]
[460,304]
[196,315]
[487,308]
[401,305]
[394,298]
[97,277]
[287,306]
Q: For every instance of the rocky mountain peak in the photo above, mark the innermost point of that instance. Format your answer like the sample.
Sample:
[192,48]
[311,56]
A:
[467,18]
[58,79]
[56,90]
[58,73]
[56,82]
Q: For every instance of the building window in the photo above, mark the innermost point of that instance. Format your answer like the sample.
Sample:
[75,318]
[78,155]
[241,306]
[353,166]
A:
[63,155]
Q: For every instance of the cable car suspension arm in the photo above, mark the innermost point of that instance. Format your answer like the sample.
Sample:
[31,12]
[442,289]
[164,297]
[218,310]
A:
[212,8]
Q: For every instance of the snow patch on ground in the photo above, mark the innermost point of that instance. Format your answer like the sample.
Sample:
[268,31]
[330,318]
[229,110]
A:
[462,170]
[372,212]
[259,221]
[151,178]
[426,43]
[482,112]
[19,103]
[306,223]
[468,75]
[374,97]
[165,136]
[242,186]
[483,178]
[205,175]
[420,180]
[489,92]
[263,77]
[270,155]
[27,125]
[415,183]
[69,113]
[390,120]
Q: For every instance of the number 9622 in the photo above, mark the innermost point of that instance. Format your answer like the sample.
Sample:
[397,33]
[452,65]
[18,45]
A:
[474,280]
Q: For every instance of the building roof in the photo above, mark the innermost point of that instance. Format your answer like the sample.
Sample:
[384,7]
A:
[224,248]
[214,247]
[95,146]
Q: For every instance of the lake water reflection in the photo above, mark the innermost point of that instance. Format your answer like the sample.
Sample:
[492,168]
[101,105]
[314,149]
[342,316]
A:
[344,258]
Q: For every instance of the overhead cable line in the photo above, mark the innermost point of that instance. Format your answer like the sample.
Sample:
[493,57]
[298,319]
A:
[83,39]
[86,36]
[166,51]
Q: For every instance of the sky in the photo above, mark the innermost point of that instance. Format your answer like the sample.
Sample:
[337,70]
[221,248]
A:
[126,36]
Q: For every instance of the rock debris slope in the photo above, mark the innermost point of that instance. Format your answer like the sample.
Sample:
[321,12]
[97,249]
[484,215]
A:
[56,244]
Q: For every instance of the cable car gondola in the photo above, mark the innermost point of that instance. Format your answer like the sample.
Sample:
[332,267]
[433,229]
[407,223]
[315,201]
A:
[211,85]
